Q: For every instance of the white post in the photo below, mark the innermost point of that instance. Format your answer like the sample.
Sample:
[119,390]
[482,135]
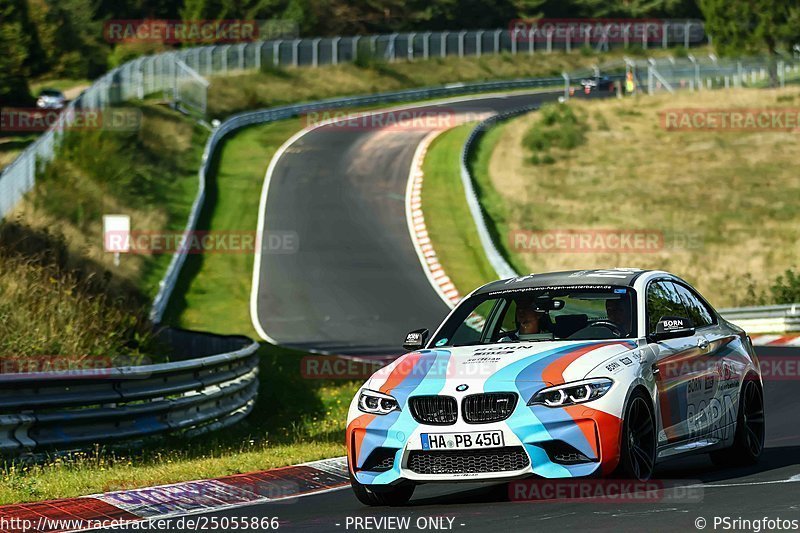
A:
[335,50]
[497,34]
[461,35]
[225,58]
[315,52]
[531,44]
[686,31]
[410,46]
[276,53]
[354,44]
[514,36]
[479,42]
[443,43]
[241,55]
[781,73]
[392,42]
[295,52]
[259,49]
[426,44]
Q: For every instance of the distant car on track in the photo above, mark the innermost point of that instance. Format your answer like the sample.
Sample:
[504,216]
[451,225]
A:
[598,84]
[560,375]
[51,99]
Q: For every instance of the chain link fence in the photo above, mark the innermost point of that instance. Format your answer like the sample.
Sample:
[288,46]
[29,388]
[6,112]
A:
[181,75]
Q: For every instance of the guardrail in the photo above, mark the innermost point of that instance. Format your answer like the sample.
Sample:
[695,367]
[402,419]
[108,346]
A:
[263,116]
[496,259]
[765,319]
[69,409]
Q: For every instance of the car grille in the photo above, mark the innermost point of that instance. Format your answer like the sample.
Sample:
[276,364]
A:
[434,410]
[468,461]
[488,407]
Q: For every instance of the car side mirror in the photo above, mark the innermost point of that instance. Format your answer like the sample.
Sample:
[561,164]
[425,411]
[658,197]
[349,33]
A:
[672,327]
[416,340]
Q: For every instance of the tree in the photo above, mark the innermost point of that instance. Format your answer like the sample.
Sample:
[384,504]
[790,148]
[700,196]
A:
[71,37]
[752,26]
[14,54]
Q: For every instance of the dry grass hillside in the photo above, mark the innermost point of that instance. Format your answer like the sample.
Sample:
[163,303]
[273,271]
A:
[725,202]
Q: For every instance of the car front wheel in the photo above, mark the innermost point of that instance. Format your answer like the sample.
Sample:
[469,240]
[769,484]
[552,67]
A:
[638,450]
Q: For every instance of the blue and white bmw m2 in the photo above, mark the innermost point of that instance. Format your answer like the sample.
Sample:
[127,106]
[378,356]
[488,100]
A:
[560,375]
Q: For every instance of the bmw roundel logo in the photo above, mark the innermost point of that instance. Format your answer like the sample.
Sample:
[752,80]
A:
[462,388]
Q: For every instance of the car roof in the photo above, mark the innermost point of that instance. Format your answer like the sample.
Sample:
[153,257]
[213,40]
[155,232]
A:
[567,278]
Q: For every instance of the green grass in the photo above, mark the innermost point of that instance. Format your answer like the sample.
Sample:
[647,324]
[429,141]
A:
[287,85]
[277,433]
[494,206]
[447,216]
[51,244]
[13,145]
[214,289]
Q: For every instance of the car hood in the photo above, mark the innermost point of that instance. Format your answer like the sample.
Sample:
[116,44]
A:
[546,363]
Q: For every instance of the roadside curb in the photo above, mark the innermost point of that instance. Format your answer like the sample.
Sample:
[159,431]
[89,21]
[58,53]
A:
[434,271]
[776,340]
[191,497]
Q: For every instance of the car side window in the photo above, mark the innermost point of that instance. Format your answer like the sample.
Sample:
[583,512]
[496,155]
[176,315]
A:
[662,300]
[471,331]
[698,312]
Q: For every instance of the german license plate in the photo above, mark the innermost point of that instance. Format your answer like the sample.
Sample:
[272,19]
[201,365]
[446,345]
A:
[462,441]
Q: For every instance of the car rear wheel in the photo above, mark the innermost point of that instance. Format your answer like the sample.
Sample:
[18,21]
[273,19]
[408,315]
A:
[384,495]
[638,450]
[749,439]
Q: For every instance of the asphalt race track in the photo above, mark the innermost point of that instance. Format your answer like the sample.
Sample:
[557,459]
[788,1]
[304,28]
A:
[771,489]
[361,294]
[356,285]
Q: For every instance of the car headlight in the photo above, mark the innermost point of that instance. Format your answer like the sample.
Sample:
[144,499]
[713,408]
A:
[376,403]
[572,393]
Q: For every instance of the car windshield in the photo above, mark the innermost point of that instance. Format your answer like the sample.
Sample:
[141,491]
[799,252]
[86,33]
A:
[51,93]
[541,314]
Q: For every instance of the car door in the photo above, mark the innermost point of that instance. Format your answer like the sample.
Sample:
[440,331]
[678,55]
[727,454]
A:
[679,368]
[712,414]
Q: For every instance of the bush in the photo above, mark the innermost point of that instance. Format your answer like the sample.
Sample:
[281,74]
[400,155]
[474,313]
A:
[786,289]
[558,127]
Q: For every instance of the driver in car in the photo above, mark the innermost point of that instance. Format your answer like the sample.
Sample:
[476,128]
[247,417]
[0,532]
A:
[531,324]
[619,314]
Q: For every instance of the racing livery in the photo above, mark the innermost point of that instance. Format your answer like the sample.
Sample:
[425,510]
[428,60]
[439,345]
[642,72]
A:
[560,375]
